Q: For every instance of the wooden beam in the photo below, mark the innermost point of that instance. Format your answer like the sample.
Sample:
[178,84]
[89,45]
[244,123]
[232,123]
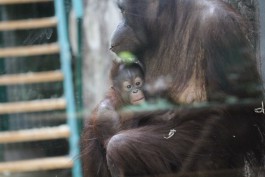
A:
[35,134]
[28,24]
[33,106]
[36,165]
[9,2]
[30,50]
[29,78]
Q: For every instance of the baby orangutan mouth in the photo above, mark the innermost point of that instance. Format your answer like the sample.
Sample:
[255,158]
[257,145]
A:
[138,100]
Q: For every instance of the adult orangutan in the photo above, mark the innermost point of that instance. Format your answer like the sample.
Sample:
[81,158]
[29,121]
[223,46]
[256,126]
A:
[202,46]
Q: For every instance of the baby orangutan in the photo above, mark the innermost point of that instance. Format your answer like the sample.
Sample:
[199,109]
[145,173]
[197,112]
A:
[127,89]
[128,83]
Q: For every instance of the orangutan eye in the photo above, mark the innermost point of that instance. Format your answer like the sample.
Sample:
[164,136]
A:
[122,10]
[138,81]
[126,85]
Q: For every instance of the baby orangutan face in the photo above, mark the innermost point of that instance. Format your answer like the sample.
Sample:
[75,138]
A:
[129,82]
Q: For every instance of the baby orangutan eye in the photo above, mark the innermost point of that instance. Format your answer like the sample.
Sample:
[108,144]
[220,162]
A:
[126,85]
[138,81]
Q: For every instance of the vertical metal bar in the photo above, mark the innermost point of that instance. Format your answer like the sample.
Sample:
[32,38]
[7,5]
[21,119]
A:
[78,13]
[79,73]
[65,58]
[4,119]
[78,8]
[262,37]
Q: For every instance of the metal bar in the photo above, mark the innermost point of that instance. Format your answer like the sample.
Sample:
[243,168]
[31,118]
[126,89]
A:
[28,24]
[32,106]
[79,69]
[78,8]
[29,78]
[262,37]
[8,2]
[78,14]
[36,165]
[37,134]
[4,119]
[68,85]
[34,50]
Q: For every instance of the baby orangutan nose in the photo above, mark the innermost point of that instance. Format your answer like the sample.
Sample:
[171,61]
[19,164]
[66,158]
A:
[135,91]
[137,97]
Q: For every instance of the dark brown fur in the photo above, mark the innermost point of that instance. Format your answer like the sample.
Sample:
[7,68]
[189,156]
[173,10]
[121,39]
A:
[202,46]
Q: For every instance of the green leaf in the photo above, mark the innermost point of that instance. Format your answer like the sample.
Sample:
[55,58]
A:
[127,57]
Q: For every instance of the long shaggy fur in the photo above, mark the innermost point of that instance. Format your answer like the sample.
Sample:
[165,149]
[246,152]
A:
[202,46]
